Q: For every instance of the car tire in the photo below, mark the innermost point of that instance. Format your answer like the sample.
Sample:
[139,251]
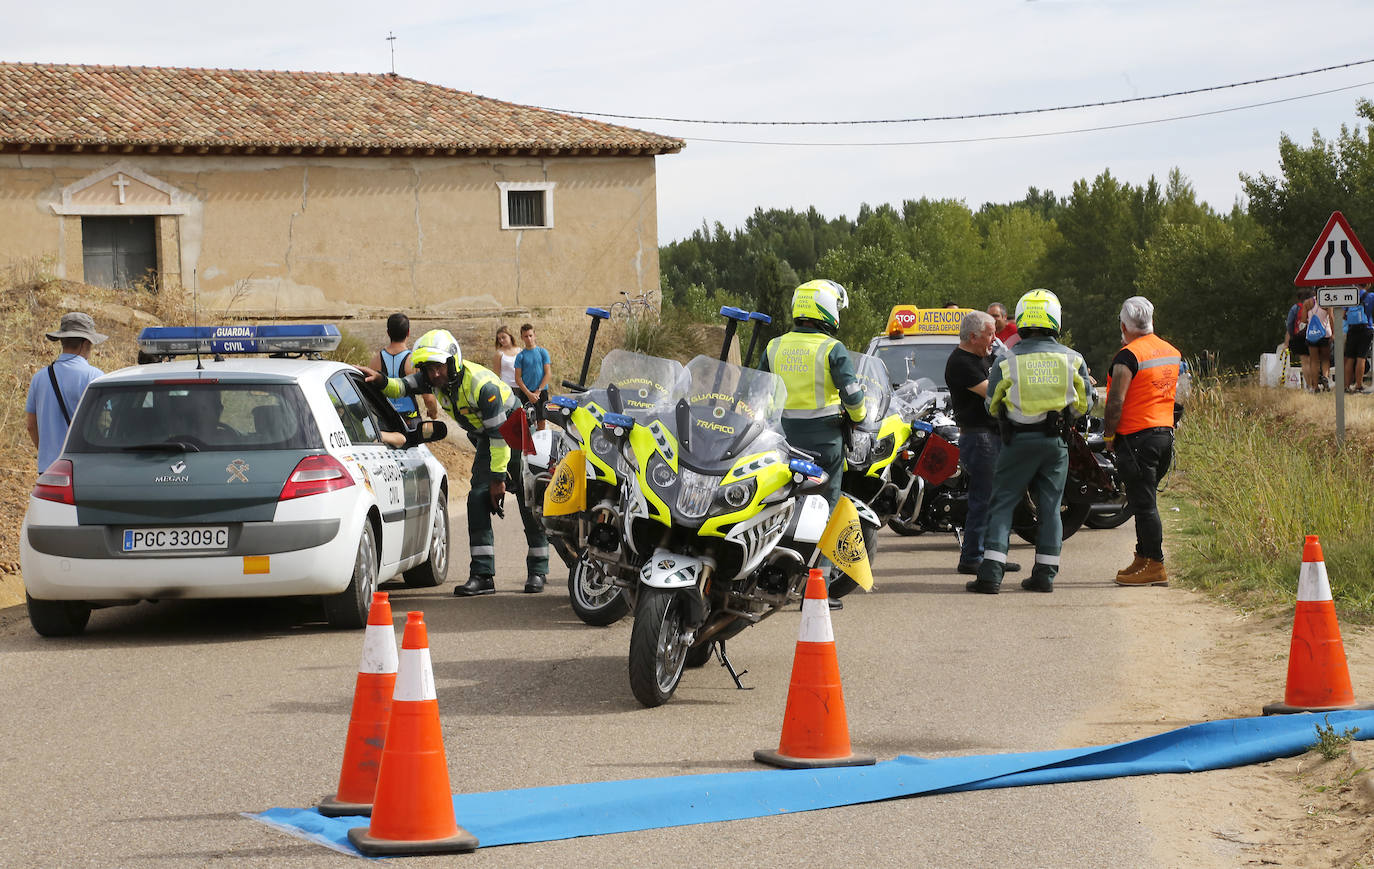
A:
[435,569]
[348,609]
[58,618]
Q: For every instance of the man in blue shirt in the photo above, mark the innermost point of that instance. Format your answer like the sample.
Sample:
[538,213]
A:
[56,389]
[533,369]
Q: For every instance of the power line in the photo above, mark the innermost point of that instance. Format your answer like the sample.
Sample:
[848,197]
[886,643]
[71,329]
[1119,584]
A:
[966,117]
[1036,135]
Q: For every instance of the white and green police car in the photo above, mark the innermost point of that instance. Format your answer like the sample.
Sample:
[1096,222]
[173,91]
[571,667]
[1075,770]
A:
[231,475]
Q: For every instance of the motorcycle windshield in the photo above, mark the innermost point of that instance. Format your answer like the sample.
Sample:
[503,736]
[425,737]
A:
[872,376]
[643,384]
[730,408]
[915,398]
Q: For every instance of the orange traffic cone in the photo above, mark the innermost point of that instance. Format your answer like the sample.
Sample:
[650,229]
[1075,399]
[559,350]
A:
[1318,678]
[371,712]
[815,731]
[413,810]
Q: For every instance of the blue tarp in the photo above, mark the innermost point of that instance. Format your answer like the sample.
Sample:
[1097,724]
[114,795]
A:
[567,811]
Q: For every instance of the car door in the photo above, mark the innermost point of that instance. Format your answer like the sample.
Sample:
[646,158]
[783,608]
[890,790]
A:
[381,471]
[415,482]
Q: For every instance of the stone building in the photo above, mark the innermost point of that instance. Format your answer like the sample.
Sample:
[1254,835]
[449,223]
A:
[295,192]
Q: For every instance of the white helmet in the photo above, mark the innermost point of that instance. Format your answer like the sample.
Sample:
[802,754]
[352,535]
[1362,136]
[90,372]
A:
[820,301]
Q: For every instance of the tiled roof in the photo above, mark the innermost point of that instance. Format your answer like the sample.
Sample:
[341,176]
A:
[66,108]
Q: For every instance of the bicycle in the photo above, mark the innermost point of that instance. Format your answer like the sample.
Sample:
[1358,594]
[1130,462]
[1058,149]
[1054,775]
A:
[646,302]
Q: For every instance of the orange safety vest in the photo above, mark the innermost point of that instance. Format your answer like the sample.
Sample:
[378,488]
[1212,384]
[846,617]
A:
[1150,397]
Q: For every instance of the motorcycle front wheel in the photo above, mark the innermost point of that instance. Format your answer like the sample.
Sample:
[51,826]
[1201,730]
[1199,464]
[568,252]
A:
[657,654]
[594,596]
[1027,525]
[1114,519]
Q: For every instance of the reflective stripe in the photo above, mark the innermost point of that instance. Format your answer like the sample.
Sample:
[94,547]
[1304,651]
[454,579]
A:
[379,650]
[815,622]
[810,413]
[482,550]
[1046,559]
[821,372]
[1030,401]
[416,680]
[1156,363]
[539,551]
[994,555]
[1312,582]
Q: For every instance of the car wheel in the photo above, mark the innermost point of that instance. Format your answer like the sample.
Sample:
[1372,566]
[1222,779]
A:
[348,609]
[435,569]
[58,618]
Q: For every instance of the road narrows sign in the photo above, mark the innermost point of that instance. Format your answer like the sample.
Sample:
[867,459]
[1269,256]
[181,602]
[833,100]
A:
[1336,258]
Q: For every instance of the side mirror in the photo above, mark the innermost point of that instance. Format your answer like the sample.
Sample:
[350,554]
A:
[430,430]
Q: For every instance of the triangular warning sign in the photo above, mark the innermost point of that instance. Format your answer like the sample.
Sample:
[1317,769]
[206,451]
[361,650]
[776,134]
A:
[1336,258]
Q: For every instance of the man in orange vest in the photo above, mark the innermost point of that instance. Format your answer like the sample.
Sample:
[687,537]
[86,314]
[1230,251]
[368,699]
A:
[1139,421]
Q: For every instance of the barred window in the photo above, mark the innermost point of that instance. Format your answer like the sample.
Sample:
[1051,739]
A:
[526,207]
[526,204]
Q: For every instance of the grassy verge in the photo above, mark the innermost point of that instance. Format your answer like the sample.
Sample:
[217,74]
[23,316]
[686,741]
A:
[1257,470]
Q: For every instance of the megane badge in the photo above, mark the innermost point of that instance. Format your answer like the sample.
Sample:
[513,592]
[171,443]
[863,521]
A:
[236,469]
[667,564]
[178,467]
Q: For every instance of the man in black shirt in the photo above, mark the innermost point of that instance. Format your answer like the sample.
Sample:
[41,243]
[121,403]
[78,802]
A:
[966,375]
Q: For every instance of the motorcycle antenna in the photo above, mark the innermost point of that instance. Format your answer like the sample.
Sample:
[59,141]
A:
[597,315]
[760,320]
[733,317]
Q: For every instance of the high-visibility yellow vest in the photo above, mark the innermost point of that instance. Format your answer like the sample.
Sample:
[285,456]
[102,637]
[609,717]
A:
[465,406]
[799,358]
[1036,382]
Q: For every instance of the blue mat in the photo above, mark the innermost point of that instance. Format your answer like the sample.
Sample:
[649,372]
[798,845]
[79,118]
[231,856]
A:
[567,811]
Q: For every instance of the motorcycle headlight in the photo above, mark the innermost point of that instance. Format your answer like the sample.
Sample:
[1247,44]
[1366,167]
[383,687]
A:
[661,475]
[600,444]
[860,445]
[695,493]
[883,448]
[736,495]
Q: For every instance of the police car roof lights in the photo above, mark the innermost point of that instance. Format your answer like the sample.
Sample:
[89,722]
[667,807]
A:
[306,338]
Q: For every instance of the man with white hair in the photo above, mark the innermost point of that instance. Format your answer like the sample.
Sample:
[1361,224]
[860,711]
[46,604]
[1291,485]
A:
[1139,422]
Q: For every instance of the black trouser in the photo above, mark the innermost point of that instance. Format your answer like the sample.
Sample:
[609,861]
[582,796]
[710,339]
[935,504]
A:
[1142,459]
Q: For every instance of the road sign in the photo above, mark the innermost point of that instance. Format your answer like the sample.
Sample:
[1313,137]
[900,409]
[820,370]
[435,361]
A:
[1338,297]
[1336,258]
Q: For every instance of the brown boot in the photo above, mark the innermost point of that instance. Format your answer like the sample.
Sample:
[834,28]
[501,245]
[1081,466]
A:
[1136,564]
[1151,574]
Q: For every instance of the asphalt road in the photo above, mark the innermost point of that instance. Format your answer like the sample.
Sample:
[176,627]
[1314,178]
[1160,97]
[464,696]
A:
[140,743]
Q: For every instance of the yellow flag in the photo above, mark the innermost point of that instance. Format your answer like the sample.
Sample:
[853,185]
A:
[567,491]
[843,543]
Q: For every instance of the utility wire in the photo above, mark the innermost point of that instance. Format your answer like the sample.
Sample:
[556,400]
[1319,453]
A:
[1037,135]
[1006,114]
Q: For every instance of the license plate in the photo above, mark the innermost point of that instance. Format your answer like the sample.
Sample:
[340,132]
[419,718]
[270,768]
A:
[173,539]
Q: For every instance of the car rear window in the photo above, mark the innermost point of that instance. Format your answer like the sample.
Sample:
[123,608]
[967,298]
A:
[910,361]
[209,416]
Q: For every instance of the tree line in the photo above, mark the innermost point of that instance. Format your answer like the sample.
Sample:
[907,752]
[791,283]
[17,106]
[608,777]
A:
[1221,282]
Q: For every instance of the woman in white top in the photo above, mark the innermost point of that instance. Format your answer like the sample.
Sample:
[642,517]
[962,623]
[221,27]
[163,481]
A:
[503,362]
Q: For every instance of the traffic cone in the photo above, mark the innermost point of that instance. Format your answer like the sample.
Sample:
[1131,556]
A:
[413,809]
[815,731]
[1318,678]
[371,712]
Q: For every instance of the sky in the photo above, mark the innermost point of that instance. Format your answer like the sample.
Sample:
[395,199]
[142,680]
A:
[816,61]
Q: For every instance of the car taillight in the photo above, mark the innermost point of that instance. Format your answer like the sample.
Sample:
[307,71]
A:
[55,484]
[313,475]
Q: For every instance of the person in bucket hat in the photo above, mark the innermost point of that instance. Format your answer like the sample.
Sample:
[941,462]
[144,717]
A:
[56,389]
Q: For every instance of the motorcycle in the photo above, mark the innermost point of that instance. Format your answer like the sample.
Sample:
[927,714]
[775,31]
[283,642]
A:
[722,513]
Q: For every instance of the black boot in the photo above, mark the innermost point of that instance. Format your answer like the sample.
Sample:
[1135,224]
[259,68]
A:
[476,585]
[1041,579]
[534,584]
[989,579]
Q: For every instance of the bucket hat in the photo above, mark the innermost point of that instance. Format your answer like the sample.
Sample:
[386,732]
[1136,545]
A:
[77,325]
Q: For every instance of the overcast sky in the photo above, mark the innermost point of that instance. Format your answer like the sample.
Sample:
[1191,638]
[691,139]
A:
[813,61]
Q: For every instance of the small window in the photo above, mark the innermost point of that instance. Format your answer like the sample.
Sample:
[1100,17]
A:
[352,413]
[526,204]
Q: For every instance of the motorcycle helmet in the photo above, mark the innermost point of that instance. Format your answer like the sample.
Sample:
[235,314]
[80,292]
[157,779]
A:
[820,302]
[1038,309]
[438,345]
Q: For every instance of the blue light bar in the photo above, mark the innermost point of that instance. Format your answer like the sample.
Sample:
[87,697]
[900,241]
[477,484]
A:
[761,317]
[564,402]
[922,425]
[231,340]
[617,420]
[810,469]
[734,313]
[599,313]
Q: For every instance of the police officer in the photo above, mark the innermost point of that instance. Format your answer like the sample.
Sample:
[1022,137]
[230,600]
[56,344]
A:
[480,402]
[1035,389]
[819,376]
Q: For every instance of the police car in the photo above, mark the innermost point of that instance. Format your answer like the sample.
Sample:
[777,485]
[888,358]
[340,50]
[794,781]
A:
[917,343]
[220,475]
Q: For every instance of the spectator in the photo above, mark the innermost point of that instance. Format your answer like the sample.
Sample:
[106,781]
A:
[1319,346]
[1357,340]
[55,391]
[393,360]
[1295,328]
[503,361]
[535,368]
[1004,330]
[966,375]
[1139,425]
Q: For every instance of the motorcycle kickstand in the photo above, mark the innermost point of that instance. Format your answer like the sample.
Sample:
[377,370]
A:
[725,662]
[958,536]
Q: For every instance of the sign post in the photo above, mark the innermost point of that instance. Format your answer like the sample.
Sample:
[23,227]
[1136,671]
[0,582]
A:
[1337,260]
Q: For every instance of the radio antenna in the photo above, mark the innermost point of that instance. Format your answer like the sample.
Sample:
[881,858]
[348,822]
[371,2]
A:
[391,37]
[195,313]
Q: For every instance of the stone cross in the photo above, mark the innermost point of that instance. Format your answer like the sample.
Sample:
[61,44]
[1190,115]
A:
[121,183]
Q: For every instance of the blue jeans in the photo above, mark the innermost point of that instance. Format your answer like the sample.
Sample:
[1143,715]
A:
[978,450]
